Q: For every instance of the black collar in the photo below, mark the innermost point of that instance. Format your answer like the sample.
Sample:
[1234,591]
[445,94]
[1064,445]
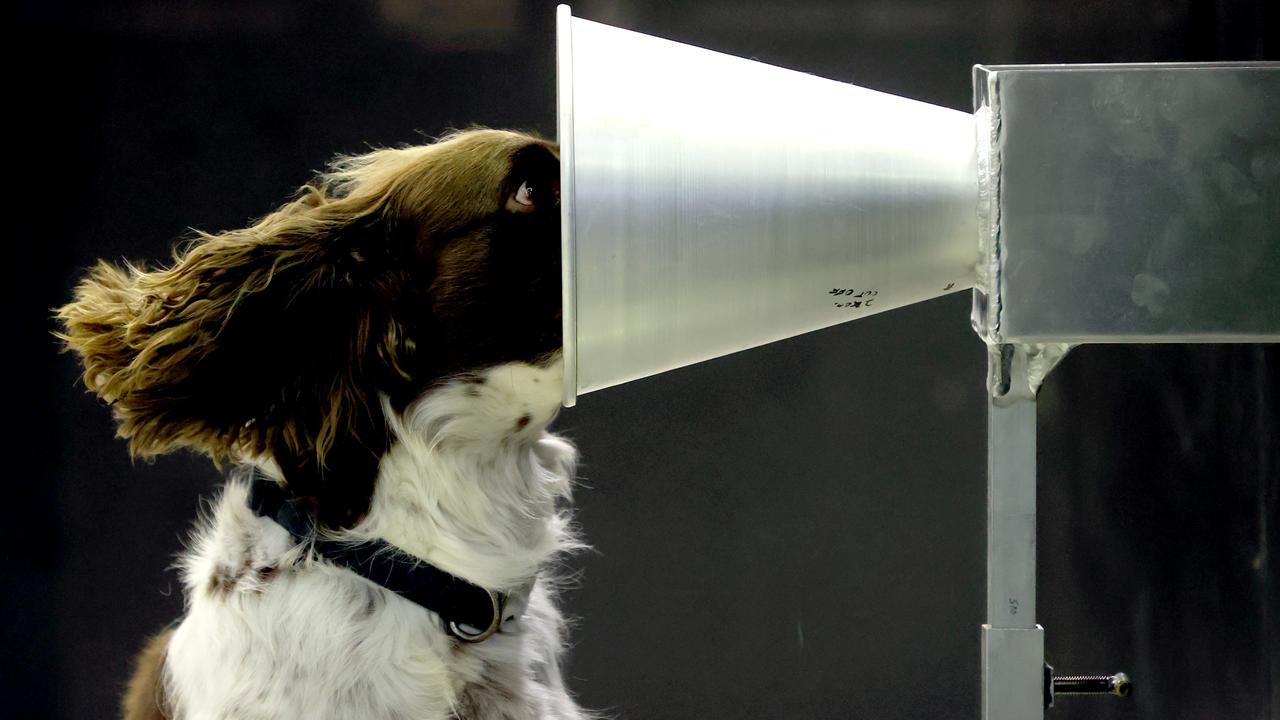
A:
[468,612]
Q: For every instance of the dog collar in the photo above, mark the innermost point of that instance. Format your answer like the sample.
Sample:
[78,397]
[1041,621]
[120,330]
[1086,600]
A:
[468,612]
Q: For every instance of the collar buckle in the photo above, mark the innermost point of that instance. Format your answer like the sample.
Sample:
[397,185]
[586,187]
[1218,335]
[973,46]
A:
[467,633]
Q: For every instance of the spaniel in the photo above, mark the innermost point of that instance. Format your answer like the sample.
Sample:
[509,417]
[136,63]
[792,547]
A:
[378,361]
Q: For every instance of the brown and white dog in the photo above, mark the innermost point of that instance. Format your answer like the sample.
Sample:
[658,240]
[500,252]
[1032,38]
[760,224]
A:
[383,355]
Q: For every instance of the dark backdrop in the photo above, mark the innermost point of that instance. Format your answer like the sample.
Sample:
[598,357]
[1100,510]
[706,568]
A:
[791,532]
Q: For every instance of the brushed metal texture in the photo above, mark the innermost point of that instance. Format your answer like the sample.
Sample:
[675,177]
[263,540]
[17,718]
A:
[713,204]
[1130,203]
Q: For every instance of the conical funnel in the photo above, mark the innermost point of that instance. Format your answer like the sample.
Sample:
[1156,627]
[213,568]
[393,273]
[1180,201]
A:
[712,204]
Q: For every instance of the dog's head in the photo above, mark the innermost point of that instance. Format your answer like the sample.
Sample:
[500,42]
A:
[392,272]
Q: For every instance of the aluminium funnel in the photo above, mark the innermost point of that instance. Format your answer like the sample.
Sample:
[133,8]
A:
[712,204]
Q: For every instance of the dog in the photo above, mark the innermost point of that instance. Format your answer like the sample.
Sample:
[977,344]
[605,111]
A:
[378,361]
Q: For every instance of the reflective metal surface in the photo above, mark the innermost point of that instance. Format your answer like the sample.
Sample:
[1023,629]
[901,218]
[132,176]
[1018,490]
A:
[1012,642]
[1121,204]
[1012,675]
[1130,203]
[713,204]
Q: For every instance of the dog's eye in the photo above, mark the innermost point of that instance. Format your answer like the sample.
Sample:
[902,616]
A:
[532,194]
[525,194]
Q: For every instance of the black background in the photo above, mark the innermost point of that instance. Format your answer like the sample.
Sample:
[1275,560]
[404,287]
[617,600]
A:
[796,531]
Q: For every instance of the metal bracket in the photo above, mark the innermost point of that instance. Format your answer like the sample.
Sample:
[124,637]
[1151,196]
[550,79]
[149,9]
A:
[1012,673]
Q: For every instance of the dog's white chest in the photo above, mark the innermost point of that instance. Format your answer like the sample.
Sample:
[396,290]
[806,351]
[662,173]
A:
[316,644]
[269,634]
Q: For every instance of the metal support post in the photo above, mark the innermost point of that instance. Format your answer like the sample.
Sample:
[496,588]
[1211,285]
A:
[1013,685]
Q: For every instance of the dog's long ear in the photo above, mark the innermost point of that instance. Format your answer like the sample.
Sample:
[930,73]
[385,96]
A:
[266,341]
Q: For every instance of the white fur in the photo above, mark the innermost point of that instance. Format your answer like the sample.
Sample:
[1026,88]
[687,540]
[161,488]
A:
[467,486]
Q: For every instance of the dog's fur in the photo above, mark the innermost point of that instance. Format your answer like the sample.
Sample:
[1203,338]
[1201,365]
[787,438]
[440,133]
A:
[386,346]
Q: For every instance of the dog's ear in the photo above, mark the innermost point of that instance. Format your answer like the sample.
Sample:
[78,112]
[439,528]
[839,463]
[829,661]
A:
[271,341]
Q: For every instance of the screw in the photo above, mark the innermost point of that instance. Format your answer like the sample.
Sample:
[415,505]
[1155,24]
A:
[1117,685]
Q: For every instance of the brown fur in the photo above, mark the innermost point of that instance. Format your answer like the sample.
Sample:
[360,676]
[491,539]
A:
[141,333]
[275,340]
[144,698]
